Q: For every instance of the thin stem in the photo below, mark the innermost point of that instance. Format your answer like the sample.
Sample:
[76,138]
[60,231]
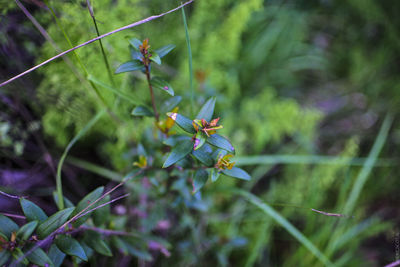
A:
[93,40]
[153,102]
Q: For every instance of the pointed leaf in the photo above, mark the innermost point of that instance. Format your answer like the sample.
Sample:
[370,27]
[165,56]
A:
[53,222]
[32,211]
[155,58]
[173,140]
[135,54]
[70,246]
[19,255]
[142,111]
[170,103]
[38,257]
[129,66]
[135,43]
[102,215]
[163,51]
[203,156]
[221,142]
[7,226]
[237,173]
[94,240]
[214,174]
[182,121]
[4,255]
[178,152]
[26,231]
[67,202]
[199,180]
[162,85]
[199,140]
[207,110]
[56,255]
[85,202]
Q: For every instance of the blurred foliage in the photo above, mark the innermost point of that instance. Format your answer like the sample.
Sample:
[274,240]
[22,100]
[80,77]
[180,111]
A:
[291,77]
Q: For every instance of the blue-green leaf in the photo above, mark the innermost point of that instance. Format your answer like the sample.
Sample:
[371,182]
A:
[102,215]
[178,152]
[85,202]
[38,256]
[56,255]
[162,85]
[199,180]
[164,50]
[94,240]
[26,231]
[199,140]
[70,246]
[237,173]
[173,140]
[214,174]
[53,222]
[170,103]
[142,111]
[207,110]
[202,155]
[135,54]
[129,66]
[7,226]
[182,121]
[4,255]
[221,142]
[135,43]
[32,211]
[155,58]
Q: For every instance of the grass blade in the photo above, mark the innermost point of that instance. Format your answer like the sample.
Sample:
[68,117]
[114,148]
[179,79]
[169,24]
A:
[189,62]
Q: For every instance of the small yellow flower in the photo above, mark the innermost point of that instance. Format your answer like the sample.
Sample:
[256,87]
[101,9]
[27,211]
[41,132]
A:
[224,163]
[207,128]
[142,163]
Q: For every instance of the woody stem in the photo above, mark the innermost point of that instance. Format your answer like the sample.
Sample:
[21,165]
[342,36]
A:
[153,102]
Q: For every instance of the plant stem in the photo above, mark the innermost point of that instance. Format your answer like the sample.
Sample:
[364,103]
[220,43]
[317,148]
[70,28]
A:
[153,102]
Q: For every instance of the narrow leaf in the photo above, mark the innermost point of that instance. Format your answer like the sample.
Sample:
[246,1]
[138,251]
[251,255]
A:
[214,174]
[135,43]
[53,222]
[4,255]
[183,122]
[170,103]
[221,142]
[38,257]
[207,110]
[199,180]
[142,111]
[237,173]
[56,255]
[26,231]
[155,58]
[135,55]
[203,156]
[70,246]
[162,85]
[94,240]
[199,140]
[163,51]
[85,202]
[129,66]
[178,152]
[32,211]
[102,215]
[175,139]
[7,226]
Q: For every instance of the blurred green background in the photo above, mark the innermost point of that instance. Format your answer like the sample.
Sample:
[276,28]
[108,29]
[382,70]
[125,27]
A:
[297,82]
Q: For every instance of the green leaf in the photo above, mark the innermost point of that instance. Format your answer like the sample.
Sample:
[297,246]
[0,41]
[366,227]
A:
[182,121]
[94,240]
[53,222]
[214,174]
[70,246]
[178,152]
[170,103]
[68,203]
[85,202]
[102,215]
[163,51]
[7,226]
[202,155]
[56,255]
[199,140]
[207,110]
[173,140]
[199,180]
[135,43]
[38,256]
[142,111]
[135,55]
[162,85]
[4,255]
[127,246]
[18,254]
[32,211]
[155,58]
[237,173]
[221,142]
[26,231]
[129,66]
